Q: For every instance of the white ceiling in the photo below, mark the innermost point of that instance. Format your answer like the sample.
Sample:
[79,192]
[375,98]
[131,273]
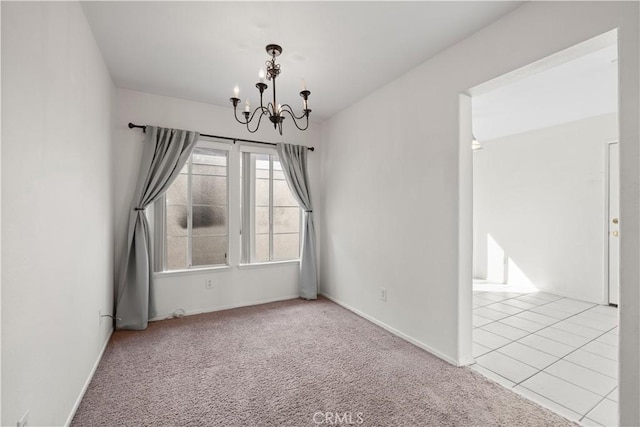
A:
[344,50]
[578,89]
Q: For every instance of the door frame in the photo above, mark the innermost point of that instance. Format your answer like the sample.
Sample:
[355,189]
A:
[605,232]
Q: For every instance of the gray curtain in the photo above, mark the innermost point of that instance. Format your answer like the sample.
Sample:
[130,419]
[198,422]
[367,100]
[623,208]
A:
[293,159]
[164,154]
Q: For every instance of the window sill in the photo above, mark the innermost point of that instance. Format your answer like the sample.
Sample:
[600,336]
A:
[161,274]
[268,264]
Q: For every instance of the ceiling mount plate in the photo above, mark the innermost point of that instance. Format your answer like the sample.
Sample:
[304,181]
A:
[274,49]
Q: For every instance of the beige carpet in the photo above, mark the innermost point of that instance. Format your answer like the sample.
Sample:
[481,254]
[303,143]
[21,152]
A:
[291,363]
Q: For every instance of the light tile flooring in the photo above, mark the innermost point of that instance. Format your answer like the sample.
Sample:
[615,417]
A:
[559,352]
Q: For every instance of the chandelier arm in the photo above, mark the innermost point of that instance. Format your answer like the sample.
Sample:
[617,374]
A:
[258,124]
[295,122]
[235,114]
[273,108]
[292,114]
[262,110]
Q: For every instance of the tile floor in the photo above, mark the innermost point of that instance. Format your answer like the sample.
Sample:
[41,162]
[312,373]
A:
[559,352]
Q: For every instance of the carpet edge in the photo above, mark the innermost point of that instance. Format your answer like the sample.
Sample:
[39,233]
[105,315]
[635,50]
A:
[395,332]
[76,405]
[225,307]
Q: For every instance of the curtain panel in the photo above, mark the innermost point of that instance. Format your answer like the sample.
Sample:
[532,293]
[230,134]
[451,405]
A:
[293,159]
[164,154]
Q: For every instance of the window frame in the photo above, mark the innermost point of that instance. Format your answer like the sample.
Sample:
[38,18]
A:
[248,179]
[160,218]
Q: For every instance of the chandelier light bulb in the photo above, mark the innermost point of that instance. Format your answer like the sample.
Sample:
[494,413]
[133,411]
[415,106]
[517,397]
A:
[236,91]
[247,106]
[261,75]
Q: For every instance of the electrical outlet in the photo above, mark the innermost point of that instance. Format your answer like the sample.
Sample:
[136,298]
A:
[383,294]
[208,284]
[24,419]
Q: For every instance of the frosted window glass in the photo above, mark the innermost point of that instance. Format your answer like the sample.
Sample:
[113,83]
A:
[209,190]
[177,221]
[209,220]
[262,173]
[282,195]
[262,192]
[209,170]
[209,250]
[208,156]
[176,253]
[273,213]
[177,193]
[262,247]
[208,205]
[286,246]
[286,220]
[262,220]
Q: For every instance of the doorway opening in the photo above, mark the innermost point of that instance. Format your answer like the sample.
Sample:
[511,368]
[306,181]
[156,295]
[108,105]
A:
[545,214]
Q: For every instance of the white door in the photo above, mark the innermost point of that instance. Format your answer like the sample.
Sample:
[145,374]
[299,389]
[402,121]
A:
[614,223]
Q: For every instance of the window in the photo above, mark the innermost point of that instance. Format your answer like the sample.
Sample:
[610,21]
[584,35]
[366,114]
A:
[271,216]
[192,217]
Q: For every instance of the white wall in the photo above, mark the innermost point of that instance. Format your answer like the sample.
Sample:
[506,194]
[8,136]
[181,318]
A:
[57,204]
[392,213]
[541,196]
[232,286]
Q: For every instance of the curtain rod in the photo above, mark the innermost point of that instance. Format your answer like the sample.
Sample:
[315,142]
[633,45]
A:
[144,128]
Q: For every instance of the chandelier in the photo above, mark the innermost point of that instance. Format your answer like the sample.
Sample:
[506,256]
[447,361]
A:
[273,110]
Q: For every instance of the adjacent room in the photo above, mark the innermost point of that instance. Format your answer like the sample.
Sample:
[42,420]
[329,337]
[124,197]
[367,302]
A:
[171,256]
[546,233]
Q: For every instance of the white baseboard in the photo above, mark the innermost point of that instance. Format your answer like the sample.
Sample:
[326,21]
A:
[223,307]
[396,332]
[86,384]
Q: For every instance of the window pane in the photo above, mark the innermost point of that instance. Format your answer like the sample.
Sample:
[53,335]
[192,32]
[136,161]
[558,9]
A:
[209,156]
[282,195]
[176,253]
[262,192]
[177,221]
[209,170]
[262,220]
[209,190]
[207,161]
[286,220]
[286,246]
[209,220]
[262,165]
[262,173]
[209,250]
[262,247]
[177,193]
[281,204]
